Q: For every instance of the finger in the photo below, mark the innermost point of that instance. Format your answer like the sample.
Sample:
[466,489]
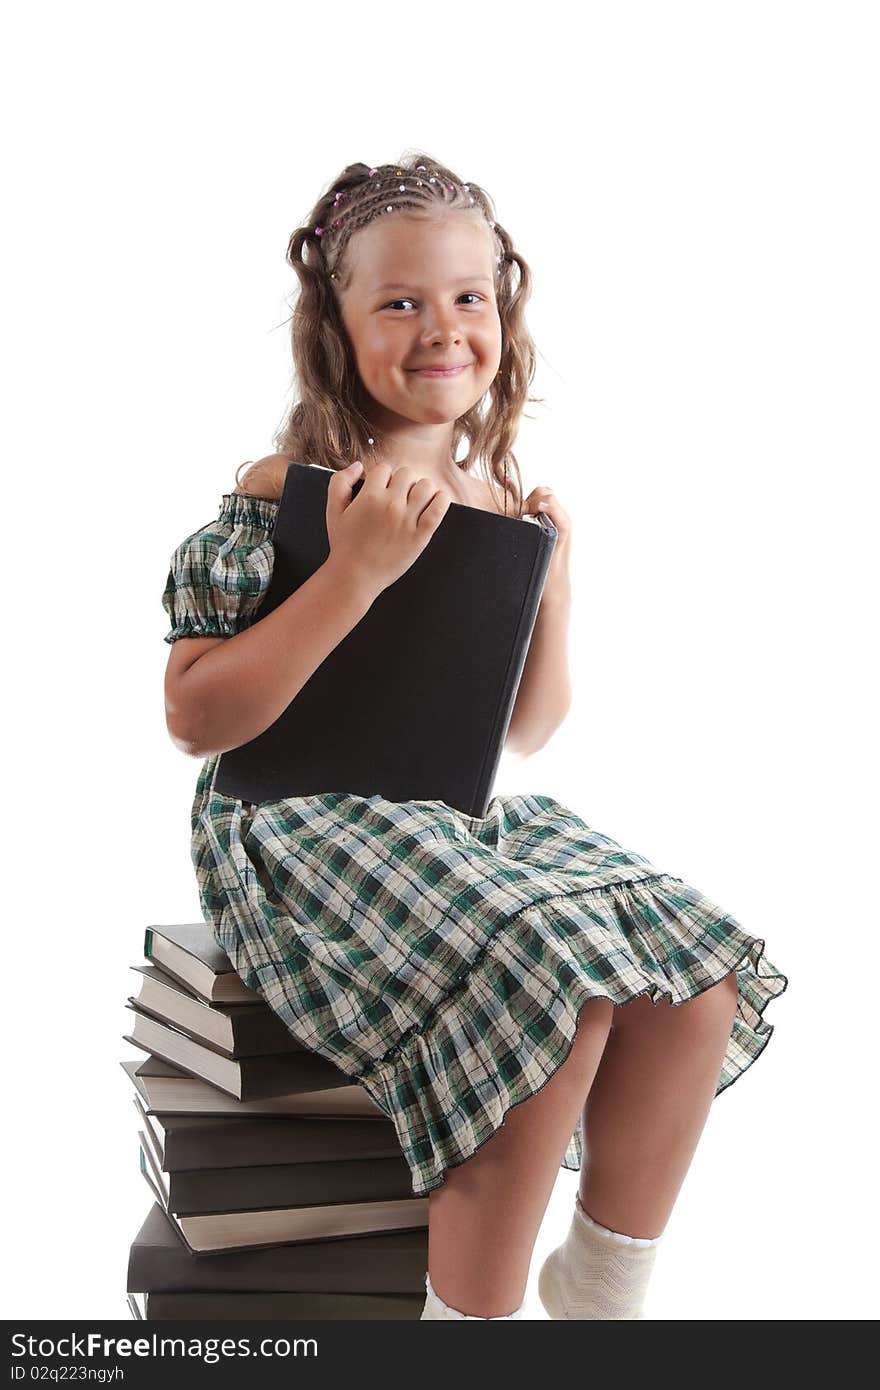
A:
[341,484]
[431,515]
[401,480]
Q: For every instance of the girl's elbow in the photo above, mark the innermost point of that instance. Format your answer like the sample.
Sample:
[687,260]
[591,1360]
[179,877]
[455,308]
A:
[520,745]
[515,749]
[181,732]
[524,743]
[183,744]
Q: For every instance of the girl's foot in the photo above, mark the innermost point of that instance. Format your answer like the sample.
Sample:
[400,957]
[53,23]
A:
[596,1273]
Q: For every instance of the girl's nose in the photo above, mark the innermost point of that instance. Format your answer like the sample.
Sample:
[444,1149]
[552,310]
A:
[440,330]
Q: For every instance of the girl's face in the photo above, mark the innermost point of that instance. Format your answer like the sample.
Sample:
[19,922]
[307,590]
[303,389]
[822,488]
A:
[422,294]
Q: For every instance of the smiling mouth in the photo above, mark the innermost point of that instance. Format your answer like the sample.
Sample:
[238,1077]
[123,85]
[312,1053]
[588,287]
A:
[441,371]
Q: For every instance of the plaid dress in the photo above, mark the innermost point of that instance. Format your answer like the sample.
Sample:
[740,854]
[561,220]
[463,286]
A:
[438,959]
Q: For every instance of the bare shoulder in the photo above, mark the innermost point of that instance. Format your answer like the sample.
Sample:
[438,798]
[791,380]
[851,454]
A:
[265,478]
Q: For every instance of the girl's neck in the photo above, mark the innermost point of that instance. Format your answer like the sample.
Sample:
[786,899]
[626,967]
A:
[443,473]
[426,449]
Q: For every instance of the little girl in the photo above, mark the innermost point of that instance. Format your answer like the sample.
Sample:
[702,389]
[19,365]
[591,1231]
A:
[481,977]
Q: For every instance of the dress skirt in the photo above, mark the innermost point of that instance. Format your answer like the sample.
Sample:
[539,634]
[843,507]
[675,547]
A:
[440,960]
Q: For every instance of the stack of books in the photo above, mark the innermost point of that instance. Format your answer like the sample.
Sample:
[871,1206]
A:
[280,1189]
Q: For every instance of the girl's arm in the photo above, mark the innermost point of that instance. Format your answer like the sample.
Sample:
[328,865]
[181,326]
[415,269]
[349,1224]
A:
[222,692]
[544,695]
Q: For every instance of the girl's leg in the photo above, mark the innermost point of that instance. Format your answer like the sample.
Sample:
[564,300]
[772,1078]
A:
[648,1104]
[483,1220]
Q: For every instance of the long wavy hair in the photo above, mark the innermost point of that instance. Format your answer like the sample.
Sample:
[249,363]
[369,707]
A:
[329,424]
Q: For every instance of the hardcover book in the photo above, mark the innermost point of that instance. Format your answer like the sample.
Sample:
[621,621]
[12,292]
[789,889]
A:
[218,1231]
[380,1262]
[189,952]
[185,1142]
[414,703]
[297,1307]
[167,1090]
[240,1030]
[244,1078]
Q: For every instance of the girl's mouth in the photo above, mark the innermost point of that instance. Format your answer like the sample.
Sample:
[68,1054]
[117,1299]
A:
[440,371]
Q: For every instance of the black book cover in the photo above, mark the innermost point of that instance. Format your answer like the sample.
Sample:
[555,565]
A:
[184,1142]
[245,1078]
[239,1030]
[298,1307]
[385,1262]
[212,1190]
[414,703]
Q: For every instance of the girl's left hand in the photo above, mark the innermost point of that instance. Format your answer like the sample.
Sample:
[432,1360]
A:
[558,583]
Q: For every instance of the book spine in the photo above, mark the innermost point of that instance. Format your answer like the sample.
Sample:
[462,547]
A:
[515,664]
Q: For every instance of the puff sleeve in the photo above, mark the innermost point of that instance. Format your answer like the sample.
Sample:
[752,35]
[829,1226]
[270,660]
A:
[219,575]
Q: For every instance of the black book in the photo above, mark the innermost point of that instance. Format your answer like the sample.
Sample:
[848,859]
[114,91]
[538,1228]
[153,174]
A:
[189,952]
[382,714]
[184,1142]
[167,1090]
[298,1307]
[245,1078]
[383,1262]
[239,1030]
[224,1230]
[210,1190]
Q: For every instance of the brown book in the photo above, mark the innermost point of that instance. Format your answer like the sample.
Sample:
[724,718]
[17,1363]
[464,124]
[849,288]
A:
[174,1092]
[190,953]
[200,1190]
[239,1030]
[189,1141]
[245,1078]
[316,1307]
[388,1262]
[229,1230]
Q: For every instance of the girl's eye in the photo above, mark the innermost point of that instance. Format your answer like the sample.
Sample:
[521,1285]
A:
[468,293]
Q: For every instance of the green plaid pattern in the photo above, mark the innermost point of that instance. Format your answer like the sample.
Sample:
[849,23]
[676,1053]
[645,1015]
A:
[439,959]
[219,574]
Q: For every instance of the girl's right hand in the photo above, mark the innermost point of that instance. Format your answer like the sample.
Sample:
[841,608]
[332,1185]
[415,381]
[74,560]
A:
[375,537]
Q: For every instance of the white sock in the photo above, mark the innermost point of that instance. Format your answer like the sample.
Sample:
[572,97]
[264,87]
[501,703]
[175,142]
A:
[597,1273]
[436,1308]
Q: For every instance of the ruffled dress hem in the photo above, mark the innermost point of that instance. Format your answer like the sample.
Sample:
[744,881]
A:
[443,1121]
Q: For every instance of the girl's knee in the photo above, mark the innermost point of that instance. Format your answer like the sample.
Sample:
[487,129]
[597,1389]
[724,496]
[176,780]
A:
[727,990]
[703,1016]
[714,1009]
[596,1016]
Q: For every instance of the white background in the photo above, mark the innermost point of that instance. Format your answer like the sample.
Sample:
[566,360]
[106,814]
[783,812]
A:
[694,187]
